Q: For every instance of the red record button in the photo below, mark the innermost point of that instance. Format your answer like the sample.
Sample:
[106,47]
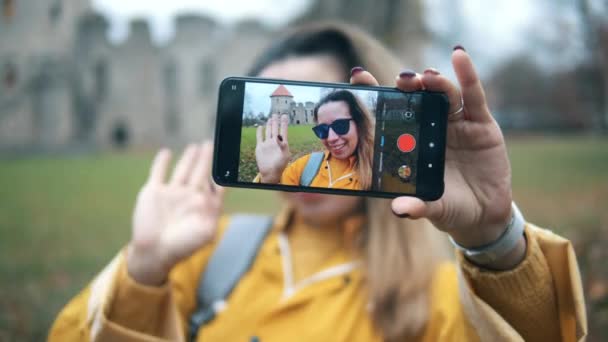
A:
[406,143]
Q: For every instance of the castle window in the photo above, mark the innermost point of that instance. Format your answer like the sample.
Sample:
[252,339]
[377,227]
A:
[207,77]
[120,134]
[55,11]
[285,101]
[171,78]
[10,75]
[171,84]
[100,72]
[8,8]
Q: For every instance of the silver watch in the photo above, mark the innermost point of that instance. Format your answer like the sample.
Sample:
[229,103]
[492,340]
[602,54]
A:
[497,249]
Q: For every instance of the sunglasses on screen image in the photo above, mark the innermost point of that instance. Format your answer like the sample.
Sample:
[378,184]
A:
[339,126]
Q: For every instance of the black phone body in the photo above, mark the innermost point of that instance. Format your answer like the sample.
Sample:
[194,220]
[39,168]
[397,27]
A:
[409,134]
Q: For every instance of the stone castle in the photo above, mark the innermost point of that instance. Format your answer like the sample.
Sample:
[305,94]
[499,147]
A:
[64,84]
[300,113]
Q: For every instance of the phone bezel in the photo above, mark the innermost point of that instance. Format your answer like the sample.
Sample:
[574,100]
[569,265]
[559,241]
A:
[226,156]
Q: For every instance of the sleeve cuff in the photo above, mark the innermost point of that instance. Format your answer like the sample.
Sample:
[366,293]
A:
[517,281]
[136,306]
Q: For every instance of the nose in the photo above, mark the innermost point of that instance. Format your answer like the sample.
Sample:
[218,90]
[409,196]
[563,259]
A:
[331,135]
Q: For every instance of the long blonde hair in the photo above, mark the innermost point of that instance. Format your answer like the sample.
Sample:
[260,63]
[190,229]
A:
[365,131]
[399,255]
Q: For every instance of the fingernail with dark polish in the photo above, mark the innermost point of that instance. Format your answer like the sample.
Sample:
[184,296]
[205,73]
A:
[356,70]
[431,71]
[280,138]
[459,47]
[407,73]
[404,215]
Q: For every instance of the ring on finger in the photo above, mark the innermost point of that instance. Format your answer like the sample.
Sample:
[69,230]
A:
[459,109]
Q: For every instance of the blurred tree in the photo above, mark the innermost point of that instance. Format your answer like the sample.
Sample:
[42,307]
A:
[565,63]
[527,96]
[594,74]
[574,34]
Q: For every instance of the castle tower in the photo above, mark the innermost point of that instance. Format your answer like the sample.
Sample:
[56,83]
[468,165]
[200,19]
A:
[92,63]
[281,102]
[133,114]
[190,79]
[309,108]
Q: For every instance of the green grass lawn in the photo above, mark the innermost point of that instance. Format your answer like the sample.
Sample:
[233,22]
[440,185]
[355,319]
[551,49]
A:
[62,219]
[301,140]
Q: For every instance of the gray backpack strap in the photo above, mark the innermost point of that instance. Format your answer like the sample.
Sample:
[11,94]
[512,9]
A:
[312,168]
[229,262]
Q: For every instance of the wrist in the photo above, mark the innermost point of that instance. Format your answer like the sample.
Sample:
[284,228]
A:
[484,234]
[270,178]
[505,251]
[144,269]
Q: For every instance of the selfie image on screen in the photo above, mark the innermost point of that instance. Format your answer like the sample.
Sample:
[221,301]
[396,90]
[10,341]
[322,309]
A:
[329,138]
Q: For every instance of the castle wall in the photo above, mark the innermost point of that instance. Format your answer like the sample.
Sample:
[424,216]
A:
[190,79]
[135,92]
[299,113]
[94,66]
[35,49]
[281,105]
[73,86]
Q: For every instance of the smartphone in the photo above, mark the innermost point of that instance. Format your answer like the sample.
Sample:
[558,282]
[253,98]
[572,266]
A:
[367,141]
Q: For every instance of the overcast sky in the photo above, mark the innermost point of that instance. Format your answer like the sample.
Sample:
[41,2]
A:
[161,12]
[258,96]
[500,20]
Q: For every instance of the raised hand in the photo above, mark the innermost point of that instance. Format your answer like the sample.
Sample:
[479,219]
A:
[173,219]
[272,149]
[476,205]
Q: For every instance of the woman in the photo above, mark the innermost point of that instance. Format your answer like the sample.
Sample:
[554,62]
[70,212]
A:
[345,128]
[344,268]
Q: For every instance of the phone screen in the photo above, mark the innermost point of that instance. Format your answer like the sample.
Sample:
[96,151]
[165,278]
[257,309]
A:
[335,136]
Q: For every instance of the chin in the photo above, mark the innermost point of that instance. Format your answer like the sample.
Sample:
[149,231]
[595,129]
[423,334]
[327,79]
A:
[320,209]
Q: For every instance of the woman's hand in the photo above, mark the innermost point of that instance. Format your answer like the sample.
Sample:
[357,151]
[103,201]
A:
[476,205]
[173,219]
[272,149]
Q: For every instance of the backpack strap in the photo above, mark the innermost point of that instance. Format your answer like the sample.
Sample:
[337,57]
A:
[312,168]
[229,262]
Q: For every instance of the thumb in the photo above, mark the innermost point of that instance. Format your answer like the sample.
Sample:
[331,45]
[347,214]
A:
[416,208]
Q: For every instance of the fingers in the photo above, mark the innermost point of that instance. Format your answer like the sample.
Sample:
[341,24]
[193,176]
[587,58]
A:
[362,77]
[268,128]
[283,130]
[201,174]
[259,134]
[416,208]
[274,125]
[409,80]
[184,165]
[434,81]
[158,170]
[472,91]
[193,169]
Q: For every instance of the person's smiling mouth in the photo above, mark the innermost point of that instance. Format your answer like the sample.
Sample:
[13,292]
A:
[337,147]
